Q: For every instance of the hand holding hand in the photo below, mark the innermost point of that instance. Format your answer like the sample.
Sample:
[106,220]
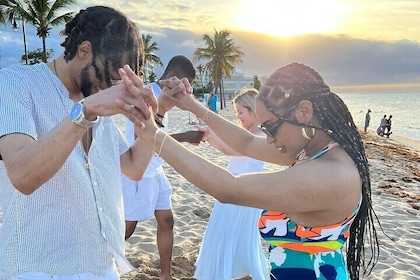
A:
[129,98]
[205,130]
[179,85]
[140,102]
[176,92]
[194,137]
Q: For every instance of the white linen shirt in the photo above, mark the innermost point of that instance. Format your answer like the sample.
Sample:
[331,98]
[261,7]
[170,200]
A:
[70,223]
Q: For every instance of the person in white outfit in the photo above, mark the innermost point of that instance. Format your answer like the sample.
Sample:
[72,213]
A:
[231,246]
[152,194]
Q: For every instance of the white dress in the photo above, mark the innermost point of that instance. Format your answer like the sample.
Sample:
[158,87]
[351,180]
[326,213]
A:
[231,246]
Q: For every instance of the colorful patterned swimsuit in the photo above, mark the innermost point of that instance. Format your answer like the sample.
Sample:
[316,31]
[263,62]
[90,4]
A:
[299,252]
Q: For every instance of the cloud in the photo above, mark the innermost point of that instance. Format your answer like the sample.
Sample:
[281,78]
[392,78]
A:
[341,60]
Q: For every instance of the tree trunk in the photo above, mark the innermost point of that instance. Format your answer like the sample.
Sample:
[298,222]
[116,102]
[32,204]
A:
[219,85]
[224,97]
[44,50]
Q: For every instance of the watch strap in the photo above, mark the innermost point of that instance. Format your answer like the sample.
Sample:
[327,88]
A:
[81,119]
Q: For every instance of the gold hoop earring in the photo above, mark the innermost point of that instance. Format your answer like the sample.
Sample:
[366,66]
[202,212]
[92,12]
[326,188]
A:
[306,135]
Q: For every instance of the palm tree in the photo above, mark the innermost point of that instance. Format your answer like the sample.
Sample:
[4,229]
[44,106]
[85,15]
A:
[149,56]
[152,77]
[222,56]
[2,19]
[40,13]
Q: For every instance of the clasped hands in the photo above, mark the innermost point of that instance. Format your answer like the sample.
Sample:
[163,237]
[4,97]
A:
[140,104]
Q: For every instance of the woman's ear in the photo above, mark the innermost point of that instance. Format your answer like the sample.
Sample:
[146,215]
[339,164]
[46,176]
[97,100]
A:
[304,111]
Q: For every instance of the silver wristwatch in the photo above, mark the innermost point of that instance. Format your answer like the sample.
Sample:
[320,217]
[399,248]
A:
[78,117]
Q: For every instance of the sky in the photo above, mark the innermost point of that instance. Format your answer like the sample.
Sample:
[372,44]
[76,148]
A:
[356,45]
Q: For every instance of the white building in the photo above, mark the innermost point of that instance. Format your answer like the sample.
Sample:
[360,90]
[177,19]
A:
[231,85]
[236,81]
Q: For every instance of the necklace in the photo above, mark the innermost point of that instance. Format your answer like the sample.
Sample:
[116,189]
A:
[302,155]
[55,69]
[86,142]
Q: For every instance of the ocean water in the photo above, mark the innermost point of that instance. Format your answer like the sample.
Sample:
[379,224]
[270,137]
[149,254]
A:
[404,108]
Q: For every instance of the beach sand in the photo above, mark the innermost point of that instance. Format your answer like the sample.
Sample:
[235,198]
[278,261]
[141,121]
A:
[395,175]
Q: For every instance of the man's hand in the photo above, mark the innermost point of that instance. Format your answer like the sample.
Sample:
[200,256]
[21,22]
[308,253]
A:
[204,129]
[193,137]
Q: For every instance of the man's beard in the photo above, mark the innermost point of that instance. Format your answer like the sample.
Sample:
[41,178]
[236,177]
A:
[86,84]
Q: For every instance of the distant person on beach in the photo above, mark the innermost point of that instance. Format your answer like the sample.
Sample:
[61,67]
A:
[206,99]
[151,196]
[62,154]
[212,102]
[382,126]
[367,120]
[313,207]
[388,126]
[231,246]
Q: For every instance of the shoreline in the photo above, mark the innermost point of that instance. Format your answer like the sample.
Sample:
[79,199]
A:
[397,139]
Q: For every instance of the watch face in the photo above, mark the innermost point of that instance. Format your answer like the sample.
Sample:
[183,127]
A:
[76,111]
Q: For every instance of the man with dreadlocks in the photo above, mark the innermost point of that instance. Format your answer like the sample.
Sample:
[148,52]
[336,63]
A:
[313,207]
[62,154]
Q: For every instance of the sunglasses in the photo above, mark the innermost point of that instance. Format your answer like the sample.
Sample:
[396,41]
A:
[271,129]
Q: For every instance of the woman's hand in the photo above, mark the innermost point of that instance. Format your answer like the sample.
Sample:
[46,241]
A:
[171,87]
[138,102]
[205,130]
[178,93]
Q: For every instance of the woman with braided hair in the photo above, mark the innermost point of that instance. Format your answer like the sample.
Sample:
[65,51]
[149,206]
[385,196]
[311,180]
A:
[315,206]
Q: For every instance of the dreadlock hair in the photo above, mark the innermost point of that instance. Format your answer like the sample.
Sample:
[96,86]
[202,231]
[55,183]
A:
[295,82]
[112,35]
[181,65]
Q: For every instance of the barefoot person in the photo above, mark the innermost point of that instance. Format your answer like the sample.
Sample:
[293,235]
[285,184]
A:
[367,120]
[231,246]
[313,208]
[151,196]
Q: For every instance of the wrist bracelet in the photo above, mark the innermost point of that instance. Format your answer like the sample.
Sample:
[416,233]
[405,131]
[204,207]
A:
[161,145]
[206,115]
[158,120]
[154,140]
[160,116]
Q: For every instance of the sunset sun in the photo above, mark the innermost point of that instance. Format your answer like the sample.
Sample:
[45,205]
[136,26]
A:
[288,18]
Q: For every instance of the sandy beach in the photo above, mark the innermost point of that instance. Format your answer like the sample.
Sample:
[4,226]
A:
[395,175]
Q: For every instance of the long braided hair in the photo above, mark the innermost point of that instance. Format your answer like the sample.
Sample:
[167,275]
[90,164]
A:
[295,82]
[112,36]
